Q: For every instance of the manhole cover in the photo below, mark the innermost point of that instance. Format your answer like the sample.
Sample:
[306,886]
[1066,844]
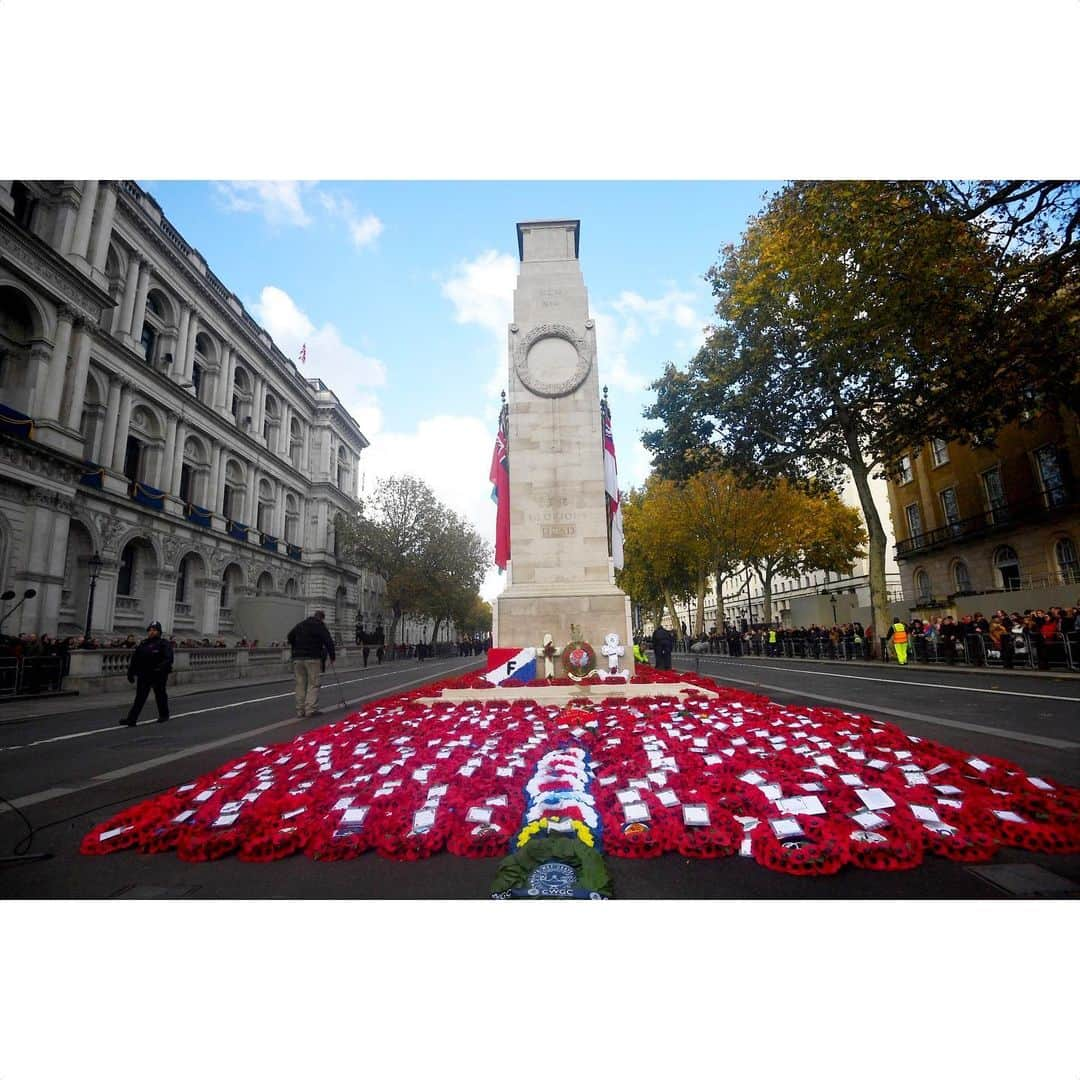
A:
[1027,879]
[154,892]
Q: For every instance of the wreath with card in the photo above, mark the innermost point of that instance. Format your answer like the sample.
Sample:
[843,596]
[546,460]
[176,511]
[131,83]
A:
[578,657]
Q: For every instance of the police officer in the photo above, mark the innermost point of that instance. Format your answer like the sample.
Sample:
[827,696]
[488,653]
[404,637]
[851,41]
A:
[149,667]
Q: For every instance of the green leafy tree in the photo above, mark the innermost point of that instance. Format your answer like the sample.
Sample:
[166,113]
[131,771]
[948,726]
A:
[839,313]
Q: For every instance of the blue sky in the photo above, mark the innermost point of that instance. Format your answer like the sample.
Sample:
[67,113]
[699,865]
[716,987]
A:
[403,291]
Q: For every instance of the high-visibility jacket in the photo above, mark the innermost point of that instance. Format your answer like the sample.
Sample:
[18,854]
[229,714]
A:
[899,634]
[772,637]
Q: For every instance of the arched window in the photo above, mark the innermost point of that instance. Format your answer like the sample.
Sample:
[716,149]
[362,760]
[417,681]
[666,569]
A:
[264,585]
[270,416]
[1007,564]
[241,393]
[922,586]
[126,577]
[1067,562]
[296,443]
[183,572]
[266,506]
[232,497]
[961,577]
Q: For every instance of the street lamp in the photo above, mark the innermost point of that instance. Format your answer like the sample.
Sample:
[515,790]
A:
[832,599]
[10,595]
[95,564]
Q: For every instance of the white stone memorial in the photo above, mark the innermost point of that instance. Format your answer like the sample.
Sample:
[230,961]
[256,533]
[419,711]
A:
[560,571]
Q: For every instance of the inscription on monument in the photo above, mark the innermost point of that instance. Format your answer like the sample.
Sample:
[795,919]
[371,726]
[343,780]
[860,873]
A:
[557,532]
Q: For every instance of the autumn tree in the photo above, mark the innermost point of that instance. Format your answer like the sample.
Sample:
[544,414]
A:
[843,315]
[657,565]
[431,559]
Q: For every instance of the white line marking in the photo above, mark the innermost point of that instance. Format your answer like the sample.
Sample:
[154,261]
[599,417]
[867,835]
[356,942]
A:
[192,712]
[960,725]
[176,755]
[894,682]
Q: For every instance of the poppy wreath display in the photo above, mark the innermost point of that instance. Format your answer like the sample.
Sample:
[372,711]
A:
[823,849]
[416,767]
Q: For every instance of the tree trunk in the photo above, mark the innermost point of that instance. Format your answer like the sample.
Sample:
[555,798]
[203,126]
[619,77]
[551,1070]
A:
[879,601]
[435,633]
[720,579]
[765,576]
[675,625]
[699,618]
[391,637]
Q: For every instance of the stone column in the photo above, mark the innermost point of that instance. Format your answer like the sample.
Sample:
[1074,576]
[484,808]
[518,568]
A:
[54,382]
[176,462]
[112,316]
[163,599]
[213,494]
[224,383]
[83,342]
[189,345]
[112,415]
[138,315]
[123,420]
[258,397]
[171,422]
[7,202]
[123,327]
[80,242]
[278,528]
[305,452]
[283,433]
[99,240]
[40,510]
[251,505]
[66,208]
[177,372]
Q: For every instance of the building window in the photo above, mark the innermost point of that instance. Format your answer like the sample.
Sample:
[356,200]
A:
[939,451]
[185,483]
[126,577]
[132,458]
[235,407]
[1051,475]
[227,502]
[922,586]
[196,379]
[149,336]
[24,204]
[994,493]
[181,579]
[950,507]
[905,470]
[961,577]
[1007,565]
[1068,565]
[914,519]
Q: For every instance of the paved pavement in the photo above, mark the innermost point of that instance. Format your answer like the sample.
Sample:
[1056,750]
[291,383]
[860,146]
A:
[71,765]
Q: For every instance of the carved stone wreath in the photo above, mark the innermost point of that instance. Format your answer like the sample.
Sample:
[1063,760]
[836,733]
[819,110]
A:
[537,384]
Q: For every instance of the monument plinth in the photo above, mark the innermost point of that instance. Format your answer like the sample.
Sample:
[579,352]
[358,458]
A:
[560,572]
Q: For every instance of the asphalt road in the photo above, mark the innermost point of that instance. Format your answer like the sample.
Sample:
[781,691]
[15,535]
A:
[69,771]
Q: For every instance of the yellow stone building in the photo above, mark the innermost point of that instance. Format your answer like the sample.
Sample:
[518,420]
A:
[979,528]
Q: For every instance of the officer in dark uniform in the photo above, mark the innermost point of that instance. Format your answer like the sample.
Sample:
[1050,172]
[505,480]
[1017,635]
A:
[151,662]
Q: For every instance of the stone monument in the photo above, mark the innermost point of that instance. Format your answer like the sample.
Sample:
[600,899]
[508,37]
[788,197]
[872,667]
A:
[560,572]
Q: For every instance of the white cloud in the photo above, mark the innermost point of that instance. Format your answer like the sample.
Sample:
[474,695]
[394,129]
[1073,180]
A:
[349,373]
[482,292]
[452,454]
[363,231]
[279,201]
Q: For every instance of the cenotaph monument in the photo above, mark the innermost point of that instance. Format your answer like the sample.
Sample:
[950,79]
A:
[560,573]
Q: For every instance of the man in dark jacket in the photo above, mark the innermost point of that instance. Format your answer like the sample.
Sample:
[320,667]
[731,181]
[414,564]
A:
[663,642]
[149,667]
[311,645]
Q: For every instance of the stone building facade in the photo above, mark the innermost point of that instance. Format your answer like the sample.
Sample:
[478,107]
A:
[984,527]
[145,417]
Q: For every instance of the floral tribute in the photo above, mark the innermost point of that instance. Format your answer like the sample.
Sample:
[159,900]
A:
[800,790]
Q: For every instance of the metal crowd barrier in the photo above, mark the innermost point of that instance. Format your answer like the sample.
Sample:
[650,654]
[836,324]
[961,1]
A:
[30,674]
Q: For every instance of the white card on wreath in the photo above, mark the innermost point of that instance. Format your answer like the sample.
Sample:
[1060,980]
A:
[868,819]
[800,804]
[667,797]
[628,796]
[874,798]
[479,815]
[636,812]
[695,814]
[785,828]
[924,813]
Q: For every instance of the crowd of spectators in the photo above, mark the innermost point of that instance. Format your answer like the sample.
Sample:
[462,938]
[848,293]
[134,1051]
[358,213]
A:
[1040,634]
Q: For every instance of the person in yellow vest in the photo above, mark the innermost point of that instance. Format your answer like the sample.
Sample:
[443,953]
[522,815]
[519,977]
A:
[772,641]
[899,636]
[639,655]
